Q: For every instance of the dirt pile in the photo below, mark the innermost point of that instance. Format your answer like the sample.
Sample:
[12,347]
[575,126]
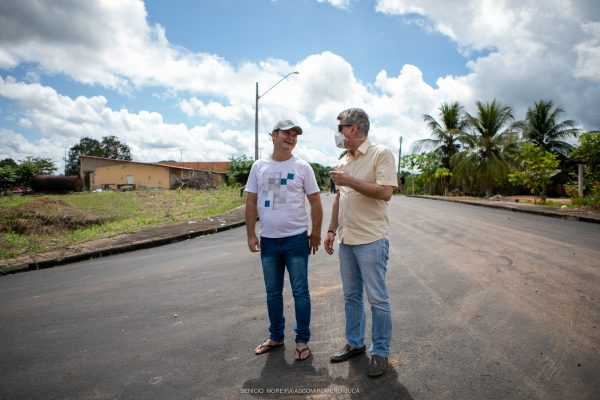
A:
[44,216]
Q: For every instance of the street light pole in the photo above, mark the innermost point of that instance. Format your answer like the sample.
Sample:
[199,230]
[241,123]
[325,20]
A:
[256,125]
[399,154]
[257,97]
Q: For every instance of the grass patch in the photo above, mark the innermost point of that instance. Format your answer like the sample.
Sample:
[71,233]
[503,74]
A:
[35,224]
[549,203]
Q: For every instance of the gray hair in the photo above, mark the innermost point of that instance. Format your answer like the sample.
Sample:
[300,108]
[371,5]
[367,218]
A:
[356,116]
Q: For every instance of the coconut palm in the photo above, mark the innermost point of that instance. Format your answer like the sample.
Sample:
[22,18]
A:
[541,127]
[490,143]
[445,133]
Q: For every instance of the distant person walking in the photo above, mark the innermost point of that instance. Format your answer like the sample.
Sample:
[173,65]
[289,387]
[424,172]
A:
[402,182]
[332,186]
[365,179]
[275,192]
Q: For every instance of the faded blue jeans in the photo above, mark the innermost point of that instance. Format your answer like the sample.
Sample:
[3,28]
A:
[363,267]
[277,255]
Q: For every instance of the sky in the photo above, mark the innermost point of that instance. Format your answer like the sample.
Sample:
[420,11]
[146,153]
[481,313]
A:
[176,80]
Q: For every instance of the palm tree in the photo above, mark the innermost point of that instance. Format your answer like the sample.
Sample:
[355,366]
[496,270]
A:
[490,144]
[445,134]
[541,127]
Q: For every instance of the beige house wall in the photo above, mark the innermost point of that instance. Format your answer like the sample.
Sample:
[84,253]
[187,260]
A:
[106,173]
[140,175]
[90,164]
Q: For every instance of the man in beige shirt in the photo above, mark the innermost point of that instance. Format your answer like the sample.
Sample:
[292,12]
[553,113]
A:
[365,179]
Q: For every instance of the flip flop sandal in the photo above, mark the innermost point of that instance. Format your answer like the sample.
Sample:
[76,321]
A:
[265,348]
[299,353]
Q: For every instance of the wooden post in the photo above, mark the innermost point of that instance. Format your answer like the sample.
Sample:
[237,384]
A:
[580,180]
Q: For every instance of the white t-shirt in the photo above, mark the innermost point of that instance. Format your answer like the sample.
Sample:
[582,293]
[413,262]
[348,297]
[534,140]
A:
[281,187]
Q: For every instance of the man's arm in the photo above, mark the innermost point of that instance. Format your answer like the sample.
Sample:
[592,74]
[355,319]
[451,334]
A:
[316,217]
[333,225]
[251,213]
[373,190]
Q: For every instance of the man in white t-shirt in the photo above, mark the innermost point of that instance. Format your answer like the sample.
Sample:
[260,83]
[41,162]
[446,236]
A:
[275,192]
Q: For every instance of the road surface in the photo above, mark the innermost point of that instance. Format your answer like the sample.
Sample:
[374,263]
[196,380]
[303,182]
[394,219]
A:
[487,304]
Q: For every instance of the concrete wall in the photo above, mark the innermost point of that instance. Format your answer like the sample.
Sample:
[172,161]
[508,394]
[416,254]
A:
[140,175]
[107,173]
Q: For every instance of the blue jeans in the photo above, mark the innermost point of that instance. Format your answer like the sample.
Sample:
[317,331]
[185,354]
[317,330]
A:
[362,267]
[276,255]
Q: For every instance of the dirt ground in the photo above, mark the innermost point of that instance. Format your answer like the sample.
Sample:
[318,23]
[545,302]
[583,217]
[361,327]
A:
[46,216]
[525,199]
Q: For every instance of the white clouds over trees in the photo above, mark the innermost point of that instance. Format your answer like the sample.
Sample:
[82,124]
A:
[520,51]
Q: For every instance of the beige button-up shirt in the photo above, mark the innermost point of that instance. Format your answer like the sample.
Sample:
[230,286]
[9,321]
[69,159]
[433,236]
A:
[363,219]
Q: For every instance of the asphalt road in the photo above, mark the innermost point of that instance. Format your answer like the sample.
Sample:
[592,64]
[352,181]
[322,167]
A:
[487,304]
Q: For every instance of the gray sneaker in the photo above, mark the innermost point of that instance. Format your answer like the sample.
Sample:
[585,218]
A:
[378,365]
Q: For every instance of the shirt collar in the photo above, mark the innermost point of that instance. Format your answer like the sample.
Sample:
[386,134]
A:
[362,149]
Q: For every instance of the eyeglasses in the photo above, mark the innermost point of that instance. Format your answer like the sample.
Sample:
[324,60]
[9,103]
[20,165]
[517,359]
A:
[340,127]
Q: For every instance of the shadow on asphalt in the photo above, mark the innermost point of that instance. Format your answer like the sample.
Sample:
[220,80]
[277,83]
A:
[277,376]
[301,378]
[385,387]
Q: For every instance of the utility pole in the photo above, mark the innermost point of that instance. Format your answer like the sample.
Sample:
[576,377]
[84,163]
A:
[180,155]
[399,154]
[65,160]
[256,98]
[256,124]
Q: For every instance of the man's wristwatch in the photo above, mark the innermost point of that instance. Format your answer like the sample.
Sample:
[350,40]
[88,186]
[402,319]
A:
[330,231]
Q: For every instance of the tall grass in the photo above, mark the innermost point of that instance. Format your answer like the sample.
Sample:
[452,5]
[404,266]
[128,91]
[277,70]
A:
[122,212]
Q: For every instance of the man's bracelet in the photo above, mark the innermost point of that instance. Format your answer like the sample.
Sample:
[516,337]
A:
[330,231]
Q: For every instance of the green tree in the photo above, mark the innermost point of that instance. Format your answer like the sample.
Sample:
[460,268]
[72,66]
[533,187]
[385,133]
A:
[113,148]
[537,167]
[109,147]
[424,163]
[8,174]
[410,162]
[8,178]
[589,152]
[442,174]
[445,134]
[321,174]
[428,164]
[490,144]
[32,166]
[8,162]
[39,165]
[239,170]
[542,128]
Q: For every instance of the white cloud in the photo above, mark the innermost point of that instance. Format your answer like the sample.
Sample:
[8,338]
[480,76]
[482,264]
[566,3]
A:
[588,53]
[213,109]
[343,4]
[106,43]
[14,145]
[548,50]
[520,51]
[61,121]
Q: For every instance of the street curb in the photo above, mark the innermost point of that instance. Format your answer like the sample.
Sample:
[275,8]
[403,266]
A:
[547,213]
[129,246]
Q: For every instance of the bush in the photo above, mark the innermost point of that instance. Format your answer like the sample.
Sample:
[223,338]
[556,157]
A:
[240,170]
[592,199]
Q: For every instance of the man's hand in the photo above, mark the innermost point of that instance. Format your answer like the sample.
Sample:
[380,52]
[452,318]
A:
[253,244]
[340,178]
[369,189]
[314,242]
[328,243]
